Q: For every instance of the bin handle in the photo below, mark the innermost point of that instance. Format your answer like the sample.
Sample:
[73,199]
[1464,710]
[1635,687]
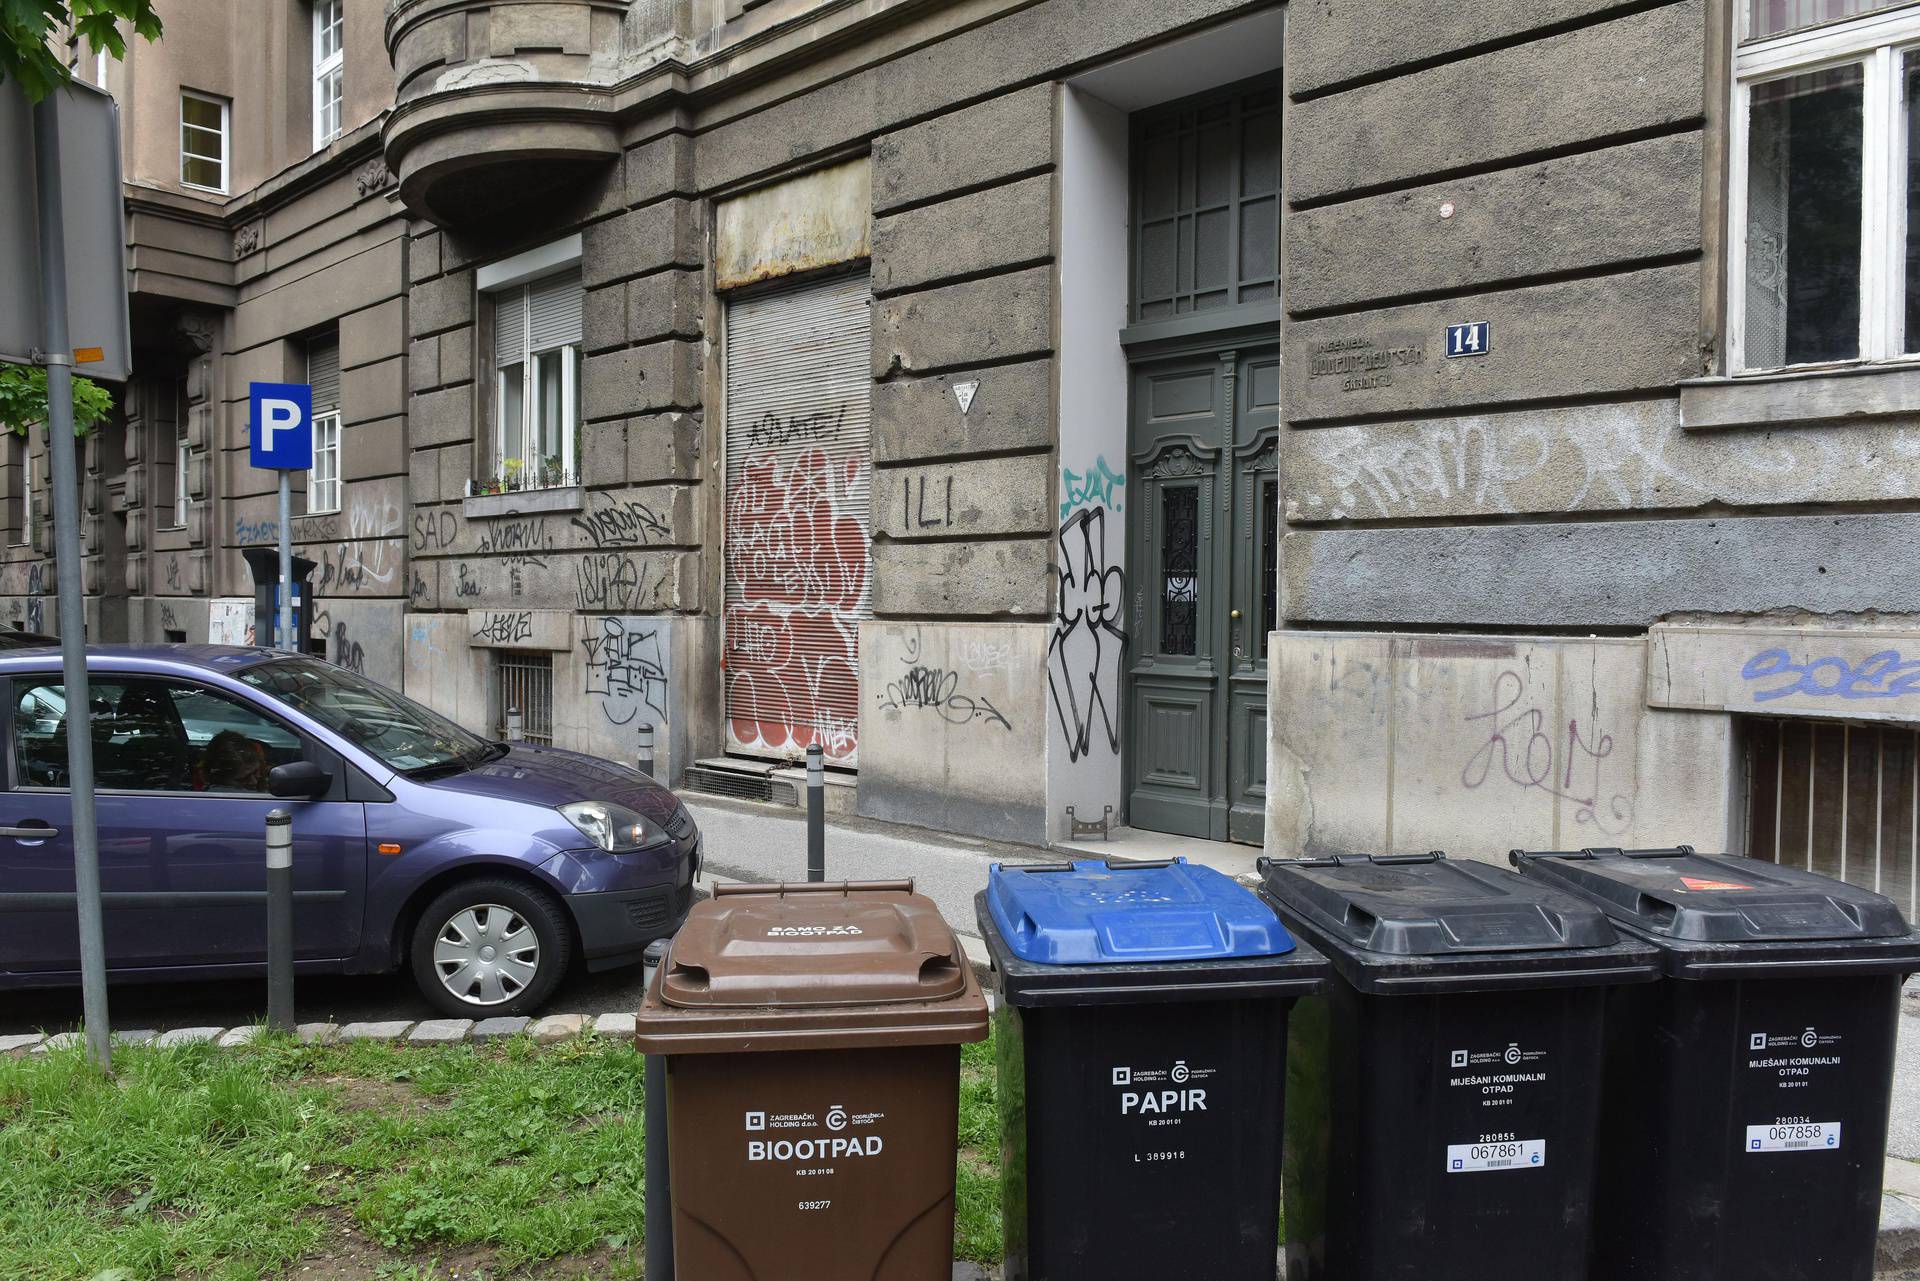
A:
[785,888]
[1062,866]
[1129,864]
[1671,851]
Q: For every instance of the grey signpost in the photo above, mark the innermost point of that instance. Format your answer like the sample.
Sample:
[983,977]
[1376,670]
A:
[67,195]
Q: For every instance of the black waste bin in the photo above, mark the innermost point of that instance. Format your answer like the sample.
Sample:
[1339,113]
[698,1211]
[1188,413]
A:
[1141,1040]
[1745,1124]
[1443,1097]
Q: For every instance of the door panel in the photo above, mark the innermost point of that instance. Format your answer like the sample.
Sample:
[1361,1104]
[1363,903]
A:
[181,818]
[1204,445]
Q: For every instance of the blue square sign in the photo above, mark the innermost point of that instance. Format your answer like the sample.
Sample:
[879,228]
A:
[1472,339]
[280,426]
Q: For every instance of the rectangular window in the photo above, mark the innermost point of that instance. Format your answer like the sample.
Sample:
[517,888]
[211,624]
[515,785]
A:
[182,455]
[1206,203]
[203,141]
[329,58]
[525,695]
[19,456]
[323,375]
[1824,184]
[536,341]
[1840,798]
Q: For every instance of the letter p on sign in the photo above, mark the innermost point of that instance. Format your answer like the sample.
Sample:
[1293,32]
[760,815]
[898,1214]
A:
[280,426]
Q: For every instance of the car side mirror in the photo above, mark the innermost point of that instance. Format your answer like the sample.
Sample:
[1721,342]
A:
[298,780]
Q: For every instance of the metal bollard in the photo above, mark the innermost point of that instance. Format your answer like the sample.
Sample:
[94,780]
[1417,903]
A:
[513,724]
[646,750]
[280,920]
[659,1189]
[816,814]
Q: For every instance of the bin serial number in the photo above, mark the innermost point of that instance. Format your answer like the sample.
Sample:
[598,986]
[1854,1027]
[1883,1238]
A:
[1172,1155]
[815,1205]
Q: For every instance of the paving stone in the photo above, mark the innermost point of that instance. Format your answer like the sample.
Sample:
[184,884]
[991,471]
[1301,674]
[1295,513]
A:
[135,1036]
[59,1041]
[499,1029]
[970,1272]
[388,1030]
[23,1043]
[620,1026]
[558,1027]
[187,1036]
[317,1033]
[238,1036]
[441,1031]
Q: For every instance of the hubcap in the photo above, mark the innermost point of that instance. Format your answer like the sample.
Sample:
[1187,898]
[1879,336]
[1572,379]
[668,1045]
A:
[486,954]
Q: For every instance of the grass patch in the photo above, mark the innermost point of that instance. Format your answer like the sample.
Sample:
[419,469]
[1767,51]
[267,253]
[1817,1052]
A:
[366,1161]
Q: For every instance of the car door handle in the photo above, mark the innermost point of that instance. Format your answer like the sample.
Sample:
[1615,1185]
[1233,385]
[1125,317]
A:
[36,833]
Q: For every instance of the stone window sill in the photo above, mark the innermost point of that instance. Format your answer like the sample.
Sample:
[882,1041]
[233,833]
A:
[525,502]
[1851,394]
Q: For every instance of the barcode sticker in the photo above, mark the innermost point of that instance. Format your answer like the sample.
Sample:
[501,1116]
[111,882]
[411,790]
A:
[1472,1158]
[1794,1136]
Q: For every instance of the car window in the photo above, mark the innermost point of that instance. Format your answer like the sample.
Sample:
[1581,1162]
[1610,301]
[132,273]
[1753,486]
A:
[390,726]
[151,736]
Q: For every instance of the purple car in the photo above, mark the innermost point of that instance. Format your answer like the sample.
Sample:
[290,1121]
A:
[486,868]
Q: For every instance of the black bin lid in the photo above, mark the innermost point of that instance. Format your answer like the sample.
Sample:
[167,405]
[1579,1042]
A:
[1425,923]
[1733,916]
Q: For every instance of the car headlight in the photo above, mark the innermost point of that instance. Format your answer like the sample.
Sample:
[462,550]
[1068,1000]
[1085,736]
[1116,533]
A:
[614,828]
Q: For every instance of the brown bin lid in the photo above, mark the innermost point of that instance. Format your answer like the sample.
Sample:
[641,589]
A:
[868,961]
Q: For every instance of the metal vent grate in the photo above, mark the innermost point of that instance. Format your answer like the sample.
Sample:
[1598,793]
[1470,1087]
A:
[526,689]
[741,785]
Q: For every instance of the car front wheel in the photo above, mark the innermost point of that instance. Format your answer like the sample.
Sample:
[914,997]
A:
[490,948]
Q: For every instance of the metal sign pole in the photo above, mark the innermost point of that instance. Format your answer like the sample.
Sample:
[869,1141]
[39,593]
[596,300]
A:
[287,639]
[67,577]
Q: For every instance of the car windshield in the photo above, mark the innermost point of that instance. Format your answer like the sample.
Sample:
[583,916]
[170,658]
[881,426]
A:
[399,731]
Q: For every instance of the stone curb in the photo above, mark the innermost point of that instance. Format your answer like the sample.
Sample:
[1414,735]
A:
[552,1029]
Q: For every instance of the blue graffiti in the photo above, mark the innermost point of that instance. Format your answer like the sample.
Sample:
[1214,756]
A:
[249,533]
[1881,675]
[1098,486]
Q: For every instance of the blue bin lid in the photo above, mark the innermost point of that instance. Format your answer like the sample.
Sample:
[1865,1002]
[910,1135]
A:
[1108,912]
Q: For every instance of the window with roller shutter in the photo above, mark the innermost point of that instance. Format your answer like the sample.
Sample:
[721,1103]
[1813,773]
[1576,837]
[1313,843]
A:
[799,464]
[536,362]
[323,375]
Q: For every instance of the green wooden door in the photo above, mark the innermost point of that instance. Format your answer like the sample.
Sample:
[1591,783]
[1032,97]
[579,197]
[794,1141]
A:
[1204,449]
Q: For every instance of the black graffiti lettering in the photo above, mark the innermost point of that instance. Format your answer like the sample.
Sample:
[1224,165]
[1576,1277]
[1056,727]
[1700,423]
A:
[626,523]
[517,536]
[466,586]
[435,531]
[609,581]
[773,430]
[913,500]
[505,628]
[938,690]
[624,671]
[1088,647]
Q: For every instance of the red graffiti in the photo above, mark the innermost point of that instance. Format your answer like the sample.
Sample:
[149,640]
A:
[798,581]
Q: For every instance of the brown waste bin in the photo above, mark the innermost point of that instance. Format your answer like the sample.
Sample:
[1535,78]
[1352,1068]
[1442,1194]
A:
[812,1036]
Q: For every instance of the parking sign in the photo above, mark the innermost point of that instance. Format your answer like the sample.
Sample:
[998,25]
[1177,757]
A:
[280,426]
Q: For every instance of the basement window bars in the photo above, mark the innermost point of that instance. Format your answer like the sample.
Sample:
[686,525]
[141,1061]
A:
[525,696]
[1823,263]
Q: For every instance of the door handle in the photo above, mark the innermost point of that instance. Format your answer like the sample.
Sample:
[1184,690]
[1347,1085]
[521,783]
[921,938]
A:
[1234,614]
[35,833]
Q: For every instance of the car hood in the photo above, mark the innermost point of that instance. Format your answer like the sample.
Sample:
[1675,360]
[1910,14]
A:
[552,777]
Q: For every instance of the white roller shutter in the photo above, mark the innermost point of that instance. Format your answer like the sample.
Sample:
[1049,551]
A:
[799,571]
[323,373]
[554,306]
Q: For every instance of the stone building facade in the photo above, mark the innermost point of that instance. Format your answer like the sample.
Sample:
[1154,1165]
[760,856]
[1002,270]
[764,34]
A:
[1381,426]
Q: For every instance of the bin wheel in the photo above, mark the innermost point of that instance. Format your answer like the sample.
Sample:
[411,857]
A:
[488,948]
